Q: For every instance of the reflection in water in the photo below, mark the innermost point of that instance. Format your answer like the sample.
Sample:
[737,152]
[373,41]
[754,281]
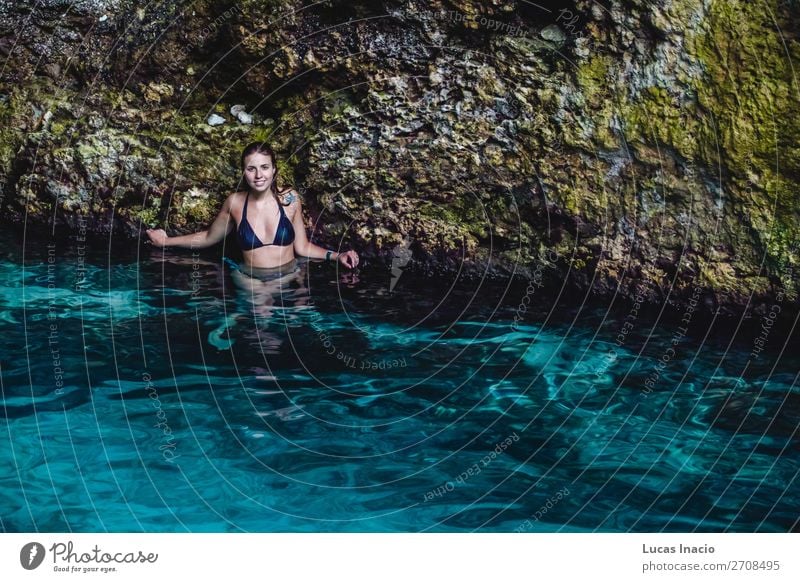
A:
[261,293]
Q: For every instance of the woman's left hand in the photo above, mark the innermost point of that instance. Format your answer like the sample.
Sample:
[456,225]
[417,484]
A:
[348,259]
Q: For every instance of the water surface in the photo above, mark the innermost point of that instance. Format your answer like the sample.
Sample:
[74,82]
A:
[146,392]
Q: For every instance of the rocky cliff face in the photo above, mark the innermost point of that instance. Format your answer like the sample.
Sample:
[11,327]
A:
[628,146]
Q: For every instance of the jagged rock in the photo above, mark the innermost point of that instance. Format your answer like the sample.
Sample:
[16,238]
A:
[215,119]
[645,144]
[239,112]
[553,33]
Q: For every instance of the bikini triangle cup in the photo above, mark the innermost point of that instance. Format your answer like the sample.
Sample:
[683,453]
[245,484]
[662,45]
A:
[248,240]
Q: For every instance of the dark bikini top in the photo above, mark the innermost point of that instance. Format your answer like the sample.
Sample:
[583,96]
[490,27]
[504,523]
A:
[248,240]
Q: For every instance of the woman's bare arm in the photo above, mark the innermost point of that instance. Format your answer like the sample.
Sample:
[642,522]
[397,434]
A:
[219,229]
[305,248]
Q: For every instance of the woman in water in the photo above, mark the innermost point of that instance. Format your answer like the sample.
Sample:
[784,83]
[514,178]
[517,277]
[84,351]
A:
[262,214]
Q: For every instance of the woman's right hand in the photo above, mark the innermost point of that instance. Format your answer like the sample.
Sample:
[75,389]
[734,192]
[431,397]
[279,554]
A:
[157,236]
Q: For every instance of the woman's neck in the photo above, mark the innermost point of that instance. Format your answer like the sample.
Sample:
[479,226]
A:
[263,195]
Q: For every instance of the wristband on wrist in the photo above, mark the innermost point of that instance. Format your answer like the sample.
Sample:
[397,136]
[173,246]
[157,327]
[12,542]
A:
[328,255]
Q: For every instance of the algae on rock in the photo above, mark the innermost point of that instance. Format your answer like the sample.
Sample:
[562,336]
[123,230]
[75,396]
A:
[647,145]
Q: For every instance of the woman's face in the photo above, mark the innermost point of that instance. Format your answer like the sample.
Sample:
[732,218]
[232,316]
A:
[259,172]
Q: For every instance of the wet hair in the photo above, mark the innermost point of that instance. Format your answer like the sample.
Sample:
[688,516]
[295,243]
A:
[258,147]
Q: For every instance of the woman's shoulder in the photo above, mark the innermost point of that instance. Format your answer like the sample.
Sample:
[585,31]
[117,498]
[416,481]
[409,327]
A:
[288,196]
[235,199]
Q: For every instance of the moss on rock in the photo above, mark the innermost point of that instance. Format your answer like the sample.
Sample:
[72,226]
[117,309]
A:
[664,134]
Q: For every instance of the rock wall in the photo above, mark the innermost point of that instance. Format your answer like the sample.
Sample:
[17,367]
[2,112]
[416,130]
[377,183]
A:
[627,146]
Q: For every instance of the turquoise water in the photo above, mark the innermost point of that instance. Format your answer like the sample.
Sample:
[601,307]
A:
[150,393]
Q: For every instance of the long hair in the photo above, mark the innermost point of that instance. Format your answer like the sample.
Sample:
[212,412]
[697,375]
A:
[258,147]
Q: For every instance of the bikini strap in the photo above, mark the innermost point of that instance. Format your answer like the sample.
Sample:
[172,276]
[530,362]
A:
[244,208]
